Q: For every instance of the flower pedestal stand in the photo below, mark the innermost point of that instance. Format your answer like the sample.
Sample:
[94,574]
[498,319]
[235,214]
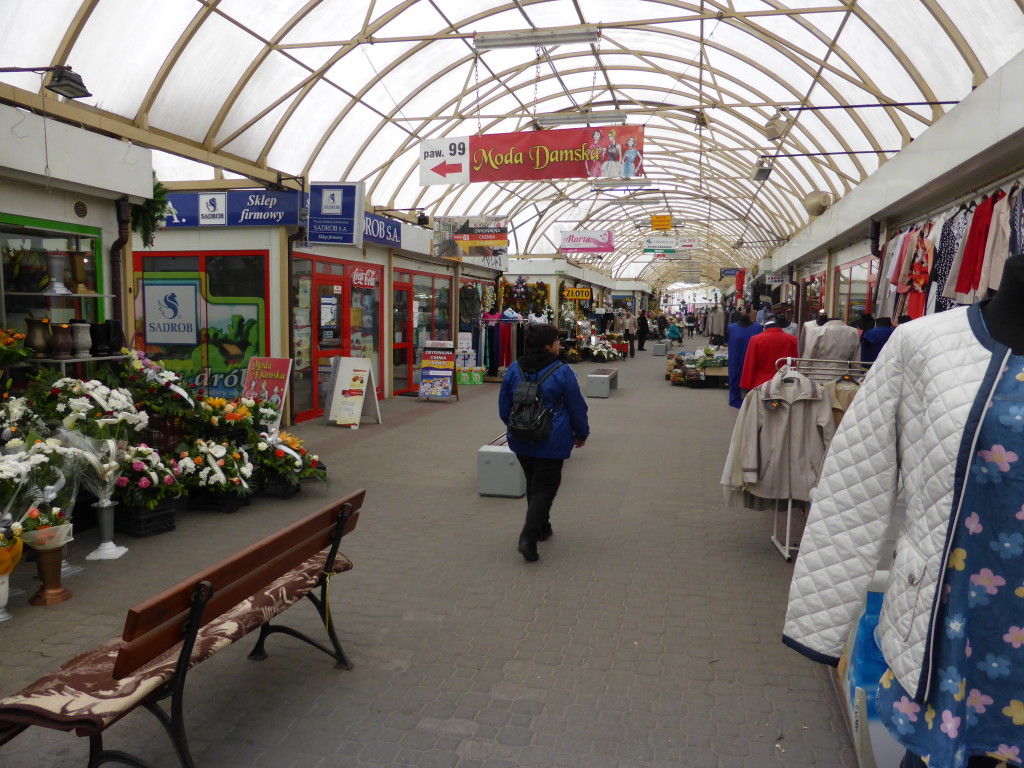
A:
[107,550]
[51,591]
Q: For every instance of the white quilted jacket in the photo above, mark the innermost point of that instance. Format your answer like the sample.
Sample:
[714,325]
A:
[915,421]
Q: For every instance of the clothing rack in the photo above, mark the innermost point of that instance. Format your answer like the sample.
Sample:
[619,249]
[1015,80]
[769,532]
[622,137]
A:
[823,370]
[817,370]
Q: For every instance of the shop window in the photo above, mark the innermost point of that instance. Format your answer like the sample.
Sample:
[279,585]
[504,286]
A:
[235,275]
[330,268]
[855,288]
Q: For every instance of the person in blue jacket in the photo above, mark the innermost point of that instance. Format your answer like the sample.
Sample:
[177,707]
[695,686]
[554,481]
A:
[542,462]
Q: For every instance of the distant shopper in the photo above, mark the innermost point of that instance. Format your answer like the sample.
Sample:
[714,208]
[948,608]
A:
[691,325]
[629,329]
[662,325]
[643,330]
[542,462]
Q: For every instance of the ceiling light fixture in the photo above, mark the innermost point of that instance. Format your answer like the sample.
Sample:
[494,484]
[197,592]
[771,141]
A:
[620,183]
[583,34]
[816,203]
[761,170]
[580,118]
[63,80]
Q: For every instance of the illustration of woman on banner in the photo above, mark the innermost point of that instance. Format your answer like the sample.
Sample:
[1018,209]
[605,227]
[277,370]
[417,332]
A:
[632,159]
[612,166]
[595,148]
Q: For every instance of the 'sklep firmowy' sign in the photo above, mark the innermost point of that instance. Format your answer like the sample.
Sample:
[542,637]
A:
[234,208]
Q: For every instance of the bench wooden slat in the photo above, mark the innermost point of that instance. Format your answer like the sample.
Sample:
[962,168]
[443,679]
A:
[174,601]
[155,625]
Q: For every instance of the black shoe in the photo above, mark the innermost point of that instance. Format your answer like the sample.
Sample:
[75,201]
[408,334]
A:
[528,549]
[545,534]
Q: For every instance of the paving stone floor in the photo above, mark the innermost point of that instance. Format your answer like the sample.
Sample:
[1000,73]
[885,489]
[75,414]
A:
[646,636]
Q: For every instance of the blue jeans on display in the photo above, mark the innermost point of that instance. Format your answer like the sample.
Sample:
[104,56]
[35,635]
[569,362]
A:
[543,476]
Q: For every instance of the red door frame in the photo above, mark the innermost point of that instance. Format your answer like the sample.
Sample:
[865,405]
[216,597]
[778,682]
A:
[406,343]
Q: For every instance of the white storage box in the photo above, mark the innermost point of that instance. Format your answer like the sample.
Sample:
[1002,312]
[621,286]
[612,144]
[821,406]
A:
[498,472]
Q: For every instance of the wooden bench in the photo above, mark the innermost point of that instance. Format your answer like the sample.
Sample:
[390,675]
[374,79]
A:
[601,381]
[166,635]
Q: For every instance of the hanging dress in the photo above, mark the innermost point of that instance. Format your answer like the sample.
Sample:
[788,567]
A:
[975,705]
[739,338]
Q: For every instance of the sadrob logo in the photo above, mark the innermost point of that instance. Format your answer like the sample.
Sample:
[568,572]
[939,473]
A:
[168,306]
[211,204]
[331,201]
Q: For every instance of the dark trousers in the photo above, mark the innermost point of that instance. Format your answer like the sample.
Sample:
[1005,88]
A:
[543,476]
[641,337]
[628,336]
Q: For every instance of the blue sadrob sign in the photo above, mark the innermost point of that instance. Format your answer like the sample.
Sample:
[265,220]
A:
[336,214]
[377,229]
[234,208]
[729,272]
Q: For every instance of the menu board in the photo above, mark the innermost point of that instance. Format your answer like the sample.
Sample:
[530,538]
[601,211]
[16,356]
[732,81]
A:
[348,405]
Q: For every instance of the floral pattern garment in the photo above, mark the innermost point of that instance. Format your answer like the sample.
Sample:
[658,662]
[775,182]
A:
[976,701]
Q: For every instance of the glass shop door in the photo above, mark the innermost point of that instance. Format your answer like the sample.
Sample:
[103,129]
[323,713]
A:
[331,335]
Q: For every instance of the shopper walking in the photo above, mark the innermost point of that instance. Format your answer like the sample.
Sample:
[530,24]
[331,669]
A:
[542,462]
[691,325]
[662,323]
[643,330]
[629,329]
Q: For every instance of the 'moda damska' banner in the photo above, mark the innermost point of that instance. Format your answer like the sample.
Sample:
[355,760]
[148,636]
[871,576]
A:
[574,153]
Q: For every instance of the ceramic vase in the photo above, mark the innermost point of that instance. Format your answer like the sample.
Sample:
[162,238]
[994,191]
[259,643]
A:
[115,336]
[100,338]
[55,261]
[78,271]
[81,336]
[51,591]
[61,343]
[38,335]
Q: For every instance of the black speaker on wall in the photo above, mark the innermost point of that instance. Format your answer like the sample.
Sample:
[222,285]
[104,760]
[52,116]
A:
[874,233]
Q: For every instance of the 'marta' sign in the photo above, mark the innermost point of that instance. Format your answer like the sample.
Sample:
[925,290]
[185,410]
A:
[587,241]
[576,294]
[336,214]
[377,229]
[573,153]
[172,315]
[234,208]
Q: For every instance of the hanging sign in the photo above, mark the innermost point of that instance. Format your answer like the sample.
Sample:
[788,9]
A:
[234,208]
[572,153]
[437,371]
[481,240]
[670,243]
[587,241]
[336,214]
[576,294]
[171,313]
[661,221]
[728,272]
[267,379]
[378,229]
[347,404]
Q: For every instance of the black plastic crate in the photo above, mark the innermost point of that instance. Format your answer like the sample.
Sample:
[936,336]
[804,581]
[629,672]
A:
[142,522]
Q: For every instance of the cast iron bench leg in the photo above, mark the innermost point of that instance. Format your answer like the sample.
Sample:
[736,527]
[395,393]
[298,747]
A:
[98,755]
[337,653]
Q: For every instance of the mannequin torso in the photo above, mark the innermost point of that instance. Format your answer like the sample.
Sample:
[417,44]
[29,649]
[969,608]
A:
[1004,314]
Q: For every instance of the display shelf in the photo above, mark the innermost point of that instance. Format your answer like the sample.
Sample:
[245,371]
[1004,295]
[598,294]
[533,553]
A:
[72,360]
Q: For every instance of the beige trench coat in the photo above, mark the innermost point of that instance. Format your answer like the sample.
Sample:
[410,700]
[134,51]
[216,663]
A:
[786,432]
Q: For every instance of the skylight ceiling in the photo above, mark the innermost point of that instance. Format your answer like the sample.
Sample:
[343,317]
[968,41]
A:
[346,90]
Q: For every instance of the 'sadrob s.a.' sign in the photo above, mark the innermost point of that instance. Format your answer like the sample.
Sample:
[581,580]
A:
[172,314]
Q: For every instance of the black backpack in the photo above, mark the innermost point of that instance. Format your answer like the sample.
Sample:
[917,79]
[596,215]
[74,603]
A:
[529,420]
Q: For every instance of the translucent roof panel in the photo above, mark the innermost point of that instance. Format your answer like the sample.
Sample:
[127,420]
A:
[346,89]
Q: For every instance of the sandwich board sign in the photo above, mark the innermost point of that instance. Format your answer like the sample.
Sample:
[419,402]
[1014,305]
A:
[348,404]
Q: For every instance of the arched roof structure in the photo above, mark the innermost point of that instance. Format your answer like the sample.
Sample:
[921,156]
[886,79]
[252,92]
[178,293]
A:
[346,89]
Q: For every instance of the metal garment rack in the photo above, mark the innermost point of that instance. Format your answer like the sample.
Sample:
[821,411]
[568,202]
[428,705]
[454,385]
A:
[818,371]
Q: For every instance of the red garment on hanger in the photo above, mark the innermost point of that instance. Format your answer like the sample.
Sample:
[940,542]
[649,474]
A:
[763,350]
[974,250]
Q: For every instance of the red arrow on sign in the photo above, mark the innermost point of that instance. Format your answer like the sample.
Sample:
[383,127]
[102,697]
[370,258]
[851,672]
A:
[443,168]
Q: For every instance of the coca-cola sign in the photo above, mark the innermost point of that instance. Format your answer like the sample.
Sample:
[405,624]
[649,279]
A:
[365,278]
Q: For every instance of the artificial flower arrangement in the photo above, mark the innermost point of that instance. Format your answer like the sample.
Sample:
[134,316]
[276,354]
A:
[155,389]
[602,350]
[216,418]
[88,407]
[45,528]
[11,547]
[18,419]
[145,479]
[218,466]
[12,347]
[282,455]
